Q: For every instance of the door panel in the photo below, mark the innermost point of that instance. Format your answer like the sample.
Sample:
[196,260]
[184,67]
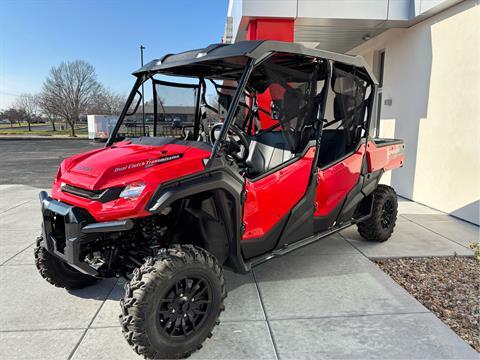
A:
[271,198]
[335,182]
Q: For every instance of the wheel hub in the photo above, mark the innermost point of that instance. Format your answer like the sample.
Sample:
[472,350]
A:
[185,307]
[387,214]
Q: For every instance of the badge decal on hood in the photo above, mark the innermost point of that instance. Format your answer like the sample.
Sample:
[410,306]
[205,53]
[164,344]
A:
[161,160]
[149,163]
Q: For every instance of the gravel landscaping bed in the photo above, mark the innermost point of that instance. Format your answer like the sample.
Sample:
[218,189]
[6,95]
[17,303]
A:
[448,286]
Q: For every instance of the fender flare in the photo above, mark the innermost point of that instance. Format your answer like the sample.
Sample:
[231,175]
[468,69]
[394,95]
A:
[219,182]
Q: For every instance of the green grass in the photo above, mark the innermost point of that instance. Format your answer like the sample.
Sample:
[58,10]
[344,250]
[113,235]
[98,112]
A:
[12,131]
[8,126]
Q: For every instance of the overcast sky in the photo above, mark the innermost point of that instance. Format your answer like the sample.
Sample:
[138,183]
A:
[36,35]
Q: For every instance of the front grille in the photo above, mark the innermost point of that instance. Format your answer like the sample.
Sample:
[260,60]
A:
[90,194]
[103,196]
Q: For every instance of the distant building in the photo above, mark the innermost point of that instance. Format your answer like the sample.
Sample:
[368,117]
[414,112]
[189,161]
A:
[165,114]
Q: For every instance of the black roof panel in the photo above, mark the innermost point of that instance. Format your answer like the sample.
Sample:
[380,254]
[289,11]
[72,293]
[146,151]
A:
[185,63]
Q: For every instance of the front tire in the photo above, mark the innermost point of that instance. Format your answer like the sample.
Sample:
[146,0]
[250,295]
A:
[173,302]
[379,227]
[57,272]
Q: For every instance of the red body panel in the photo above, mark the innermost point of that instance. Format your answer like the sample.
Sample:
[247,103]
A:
[268,200]
[120,165]
[386,157]
[336,181]
[272,197]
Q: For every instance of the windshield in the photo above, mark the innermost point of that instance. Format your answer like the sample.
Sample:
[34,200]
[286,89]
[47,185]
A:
[179,107]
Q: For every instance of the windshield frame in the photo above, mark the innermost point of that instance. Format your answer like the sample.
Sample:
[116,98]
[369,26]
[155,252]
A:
[219,143]
[200,91]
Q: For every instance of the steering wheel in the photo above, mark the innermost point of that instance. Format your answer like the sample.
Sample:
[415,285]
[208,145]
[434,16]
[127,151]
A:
[236,146]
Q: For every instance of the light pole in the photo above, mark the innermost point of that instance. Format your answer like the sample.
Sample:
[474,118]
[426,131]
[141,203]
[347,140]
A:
[143,96]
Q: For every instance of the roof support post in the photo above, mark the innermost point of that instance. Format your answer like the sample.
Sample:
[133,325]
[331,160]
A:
[279,29]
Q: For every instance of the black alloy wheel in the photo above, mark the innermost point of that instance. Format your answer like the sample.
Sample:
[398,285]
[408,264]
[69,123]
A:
[173,302]
[379,226]
[387,214]
[184,308]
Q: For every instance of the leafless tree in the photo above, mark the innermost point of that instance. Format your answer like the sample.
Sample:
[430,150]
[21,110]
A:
[48,109]
[70,89]
[28,104]
[12,115]
[107,102]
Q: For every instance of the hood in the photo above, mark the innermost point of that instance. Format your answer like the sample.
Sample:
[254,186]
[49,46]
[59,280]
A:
[127,161]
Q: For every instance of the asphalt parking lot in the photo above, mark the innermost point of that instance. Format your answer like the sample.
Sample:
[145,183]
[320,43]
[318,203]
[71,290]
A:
[324,301]
[35,162]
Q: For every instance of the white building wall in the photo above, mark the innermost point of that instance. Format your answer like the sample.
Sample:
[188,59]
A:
[432,76]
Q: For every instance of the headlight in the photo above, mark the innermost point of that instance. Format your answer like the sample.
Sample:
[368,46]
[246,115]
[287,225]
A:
[133,190]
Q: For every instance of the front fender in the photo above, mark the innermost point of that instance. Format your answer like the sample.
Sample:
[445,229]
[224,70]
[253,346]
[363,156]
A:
[227,189]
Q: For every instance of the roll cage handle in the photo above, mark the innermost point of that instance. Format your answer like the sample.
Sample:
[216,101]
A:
[130,98]
[137,105]
[219,144]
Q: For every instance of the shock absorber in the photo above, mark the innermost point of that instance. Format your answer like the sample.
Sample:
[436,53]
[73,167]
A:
[153,232]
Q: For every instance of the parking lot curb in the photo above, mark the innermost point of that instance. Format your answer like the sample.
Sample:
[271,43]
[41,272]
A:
[33,137]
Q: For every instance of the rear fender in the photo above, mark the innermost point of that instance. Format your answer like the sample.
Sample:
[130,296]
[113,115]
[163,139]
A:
[385,154]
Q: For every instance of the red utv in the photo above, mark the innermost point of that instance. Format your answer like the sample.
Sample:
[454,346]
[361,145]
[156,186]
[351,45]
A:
[280,155]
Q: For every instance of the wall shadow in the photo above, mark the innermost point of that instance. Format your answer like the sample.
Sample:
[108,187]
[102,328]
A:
[465,212]
[415,85]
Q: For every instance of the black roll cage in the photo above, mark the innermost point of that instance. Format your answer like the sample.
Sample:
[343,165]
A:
[200,97]
[151,69]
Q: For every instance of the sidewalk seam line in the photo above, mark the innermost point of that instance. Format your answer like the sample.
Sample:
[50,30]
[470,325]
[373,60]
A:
[353,316]
[228,321]
[356,248]
[262,305]
[11,257]
[44,330]
[455,242]
[14,207]
[74,350]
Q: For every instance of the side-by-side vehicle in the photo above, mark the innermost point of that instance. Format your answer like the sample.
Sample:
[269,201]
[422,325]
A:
[279,153]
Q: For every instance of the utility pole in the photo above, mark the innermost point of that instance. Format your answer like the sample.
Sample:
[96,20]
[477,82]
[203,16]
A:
[143,95]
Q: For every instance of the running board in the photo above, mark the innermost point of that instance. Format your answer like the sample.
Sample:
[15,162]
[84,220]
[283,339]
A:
[294,246]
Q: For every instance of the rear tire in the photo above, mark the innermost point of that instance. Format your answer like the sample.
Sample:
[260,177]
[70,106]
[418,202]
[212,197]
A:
[173,302]
[379,227]
[57,272]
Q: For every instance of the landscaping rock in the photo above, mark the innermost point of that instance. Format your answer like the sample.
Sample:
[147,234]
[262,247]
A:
[447,286]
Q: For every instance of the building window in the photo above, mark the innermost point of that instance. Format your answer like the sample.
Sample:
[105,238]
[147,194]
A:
[380,63]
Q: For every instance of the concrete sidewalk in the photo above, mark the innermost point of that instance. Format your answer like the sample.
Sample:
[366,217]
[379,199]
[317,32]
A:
[327,300]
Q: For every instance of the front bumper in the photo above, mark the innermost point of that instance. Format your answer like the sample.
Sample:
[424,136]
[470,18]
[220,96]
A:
[64,229]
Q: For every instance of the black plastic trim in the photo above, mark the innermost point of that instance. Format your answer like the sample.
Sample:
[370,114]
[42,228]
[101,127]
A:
[353,198]
[102,196]
[294,246]
[73,219]
[108,226]
[379,142]
[219,179]
[300,222]
[324,223]
[260,246]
